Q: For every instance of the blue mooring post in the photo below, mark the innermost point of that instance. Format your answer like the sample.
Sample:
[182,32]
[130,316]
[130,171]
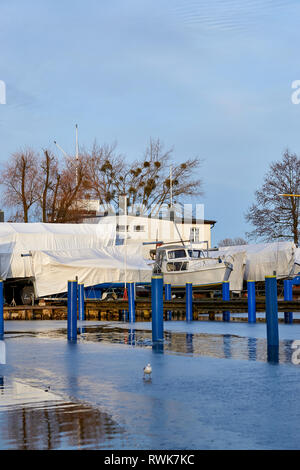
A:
[81,301]
[189,301]
[157,308]
[251,301]
[131,301]
[124,315]
[72,310]
[272,318]
[168,296]
[288,295]
[226,296]
[1,311]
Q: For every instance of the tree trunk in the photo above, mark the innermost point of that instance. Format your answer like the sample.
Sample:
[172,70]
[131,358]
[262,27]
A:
[24,202]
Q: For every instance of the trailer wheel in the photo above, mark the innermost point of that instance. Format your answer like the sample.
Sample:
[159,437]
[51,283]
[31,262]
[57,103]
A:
[27,295]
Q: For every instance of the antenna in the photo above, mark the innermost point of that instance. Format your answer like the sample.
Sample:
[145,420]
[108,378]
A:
[61,149]
[171,187]
[76,128]
[66,155]
[77,159]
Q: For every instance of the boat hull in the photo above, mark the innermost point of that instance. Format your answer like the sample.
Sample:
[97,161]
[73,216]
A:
[209,276]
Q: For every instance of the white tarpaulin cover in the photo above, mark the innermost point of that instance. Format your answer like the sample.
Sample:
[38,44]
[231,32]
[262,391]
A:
[92,266]
[264,259]
[18,239]
[297,261]
[238,260]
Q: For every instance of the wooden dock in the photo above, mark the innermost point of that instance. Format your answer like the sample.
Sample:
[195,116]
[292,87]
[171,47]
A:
[112,309]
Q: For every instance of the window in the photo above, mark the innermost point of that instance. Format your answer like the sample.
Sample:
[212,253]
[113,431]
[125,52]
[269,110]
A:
[139,228]
[177,266]
[196,254]
[176,254]
[194,235]
[121,228]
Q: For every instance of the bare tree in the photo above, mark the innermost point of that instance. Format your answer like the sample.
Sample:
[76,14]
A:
[48,177]
[68,189]
[104,170]
[149,182]
[145,181]
[55,189]
[232,241]
[276,217]
[43,189]
[21,185]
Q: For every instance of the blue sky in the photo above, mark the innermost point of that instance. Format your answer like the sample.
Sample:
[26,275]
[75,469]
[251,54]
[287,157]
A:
[211,78]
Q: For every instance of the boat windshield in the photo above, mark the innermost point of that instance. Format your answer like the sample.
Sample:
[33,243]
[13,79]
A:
[177,266]
[196,254]
[176,254]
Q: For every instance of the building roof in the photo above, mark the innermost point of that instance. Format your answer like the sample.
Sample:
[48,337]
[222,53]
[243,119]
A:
[179,220]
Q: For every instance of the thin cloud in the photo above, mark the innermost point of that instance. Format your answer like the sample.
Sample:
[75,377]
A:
[229,15]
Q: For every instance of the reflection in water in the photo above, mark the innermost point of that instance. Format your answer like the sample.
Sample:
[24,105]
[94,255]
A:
[189,343]
[81,330]
[273,354]
[227,347]
[198,344]
[43,421]
[158,347]
[59,426]
[252,349]
[288,351]
[131,336]
[36,418]
[71,366]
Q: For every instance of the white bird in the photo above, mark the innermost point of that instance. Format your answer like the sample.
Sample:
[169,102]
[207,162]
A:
[148,370]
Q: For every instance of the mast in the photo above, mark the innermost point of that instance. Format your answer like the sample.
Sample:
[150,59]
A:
[77,157]
[125,209]
[77,153]
[171,188]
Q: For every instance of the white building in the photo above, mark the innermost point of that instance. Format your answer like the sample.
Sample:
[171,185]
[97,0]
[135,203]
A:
[155,229]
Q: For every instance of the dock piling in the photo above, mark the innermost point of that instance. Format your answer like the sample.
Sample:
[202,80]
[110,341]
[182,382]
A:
[189,301]
[157,308]
[288,295]
[81,302]
[272,318]
[131,301]
[168,296]
[72,311]
[251,301]
[1,311]
[226,296]
[124,315]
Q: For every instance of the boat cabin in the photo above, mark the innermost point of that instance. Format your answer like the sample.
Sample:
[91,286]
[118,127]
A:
[176,258]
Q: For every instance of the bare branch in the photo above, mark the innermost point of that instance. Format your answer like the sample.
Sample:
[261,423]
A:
[274,216]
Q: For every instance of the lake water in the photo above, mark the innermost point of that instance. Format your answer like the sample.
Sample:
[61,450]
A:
[213,386]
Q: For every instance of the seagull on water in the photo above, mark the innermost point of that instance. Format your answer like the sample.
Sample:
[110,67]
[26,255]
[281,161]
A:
[147,370]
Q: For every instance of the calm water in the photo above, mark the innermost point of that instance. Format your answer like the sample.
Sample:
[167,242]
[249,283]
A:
[213,386]
[42,424]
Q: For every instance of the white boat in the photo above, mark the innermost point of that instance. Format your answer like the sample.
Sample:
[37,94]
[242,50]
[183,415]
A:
[180,264]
